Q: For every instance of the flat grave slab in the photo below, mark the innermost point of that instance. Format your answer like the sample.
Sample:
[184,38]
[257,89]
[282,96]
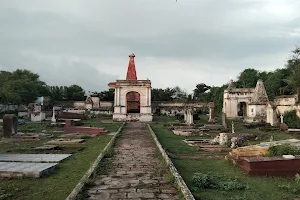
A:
[33,157]
[66,141]
[17,169]
[46,147]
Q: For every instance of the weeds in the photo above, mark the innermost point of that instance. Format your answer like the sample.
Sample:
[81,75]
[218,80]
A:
[202,181]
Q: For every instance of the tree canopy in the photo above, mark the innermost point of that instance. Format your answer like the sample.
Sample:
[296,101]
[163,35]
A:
[20,87]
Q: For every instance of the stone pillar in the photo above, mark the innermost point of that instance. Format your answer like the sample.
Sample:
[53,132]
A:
[189,120]
[115,97]
[224,120]
[281,118]
[53,115]
[185,115]
[211,107]
[149,96]
[119,97]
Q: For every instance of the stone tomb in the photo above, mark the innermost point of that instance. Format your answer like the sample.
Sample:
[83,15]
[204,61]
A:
[33,157]
[34,170]
[29,165]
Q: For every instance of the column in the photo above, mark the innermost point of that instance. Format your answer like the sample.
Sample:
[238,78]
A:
[149,96]
[115,97]
[211,106]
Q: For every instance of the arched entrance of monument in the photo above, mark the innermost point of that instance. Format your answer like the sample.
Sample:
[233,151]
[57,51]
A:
[133,102]
[242,109]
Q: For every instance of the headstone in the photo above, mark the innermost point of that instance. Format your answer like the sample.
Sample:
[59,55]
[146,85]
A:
[232,127]
[53,116]
[224,120]
[281,118]
[10,125]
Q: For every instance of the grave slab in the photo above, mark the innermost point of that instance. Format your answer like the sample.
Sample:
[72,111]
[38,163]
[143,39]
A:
[46,147]
[66,141]
[17,169]
[33,157]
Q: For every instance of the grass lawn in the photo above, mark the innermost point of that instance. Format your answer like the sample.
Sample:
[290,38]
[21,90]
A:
[60,183]
[259,188]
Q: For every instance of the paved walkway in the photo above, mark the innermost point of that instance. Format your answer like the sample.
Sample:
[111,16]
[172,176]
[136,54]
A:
[138,173]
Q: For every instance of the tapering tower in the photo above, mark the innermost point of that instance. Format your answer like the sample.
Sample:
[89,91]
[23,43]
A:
[133,98]
[131,72]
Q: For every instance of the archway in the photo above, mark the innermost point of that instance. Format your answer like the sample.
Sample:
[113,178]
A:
[242,109]
[133,102]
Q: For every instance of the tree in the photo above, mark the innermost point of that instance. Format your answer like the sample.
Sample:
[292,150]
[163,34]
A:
[293,66]
[20,87]
[74,92]
[200,90]
[107,95]
[158,94]
[179,95]
[248,78]
[56,93]
[65,93]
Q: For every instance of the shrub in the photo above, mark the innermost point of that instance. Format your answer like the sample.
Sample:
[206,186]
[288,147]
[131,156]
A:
[285,149]
[291,119]
[202,181]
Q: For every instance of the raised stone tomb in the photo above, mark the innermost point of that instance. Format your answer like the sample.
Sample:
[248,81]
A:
[34,170]
[33,157]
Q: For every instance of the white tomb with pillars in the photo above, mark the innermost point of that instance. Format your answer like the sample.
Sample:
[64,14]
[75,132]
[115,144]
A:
[122,89]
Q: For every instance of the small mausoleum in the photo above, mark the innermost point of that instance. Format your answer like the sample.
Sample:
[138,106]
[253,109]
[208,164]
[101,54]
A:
[132,100]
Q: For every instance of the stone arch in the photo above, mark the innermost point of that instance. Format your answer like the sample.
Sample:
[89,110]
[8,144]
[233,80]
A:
[133,103]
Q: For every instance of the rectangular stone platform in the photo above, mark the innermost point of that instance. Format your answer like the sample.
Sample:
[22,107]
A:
[33,157]
[271,166]
[17,169]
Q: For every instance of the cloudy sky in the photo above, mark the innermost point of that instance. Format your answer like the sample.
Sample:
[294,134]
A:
[87,42]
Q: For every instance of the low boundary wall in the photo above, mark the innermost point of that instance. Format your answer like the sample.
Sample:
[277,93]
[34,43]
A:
[179,180]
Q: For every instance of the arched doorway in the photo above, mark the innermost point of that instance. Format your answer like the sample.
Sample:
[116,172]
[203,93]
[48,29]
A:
[133,102]
[242,109]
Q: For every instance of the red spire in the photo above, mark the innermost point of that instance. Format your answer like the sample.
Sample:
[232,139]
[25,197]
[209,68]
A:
[131,72]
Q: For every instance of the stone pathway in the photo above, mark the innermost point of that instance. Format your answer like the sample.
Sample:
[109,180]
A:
[138,173]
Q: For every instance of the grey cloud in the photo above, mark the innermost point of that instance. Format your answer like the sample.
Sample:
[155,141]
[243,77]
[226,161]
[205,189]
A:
[208,40]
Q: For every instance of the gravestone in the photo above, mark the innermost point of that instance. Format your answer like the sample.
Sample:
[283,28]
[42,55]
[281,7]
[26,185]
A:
[10,125]
[224,120]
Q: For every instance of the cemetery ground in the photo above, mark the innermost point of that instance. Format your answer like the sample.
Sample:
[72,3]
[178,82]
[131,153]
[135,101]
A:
[190,160]
[61,181]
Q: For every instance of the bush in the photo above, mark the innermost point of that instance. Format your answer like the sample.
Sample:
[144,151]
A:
[202,181]
[291,119]
[285,149]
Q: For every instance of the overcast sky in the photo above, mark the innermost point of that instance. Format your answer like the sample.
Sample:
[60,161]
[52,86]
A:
[87,42]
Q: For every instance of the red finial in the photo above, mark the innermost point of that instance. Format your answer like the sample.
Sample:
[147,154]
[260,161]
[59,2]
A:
[131,72]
